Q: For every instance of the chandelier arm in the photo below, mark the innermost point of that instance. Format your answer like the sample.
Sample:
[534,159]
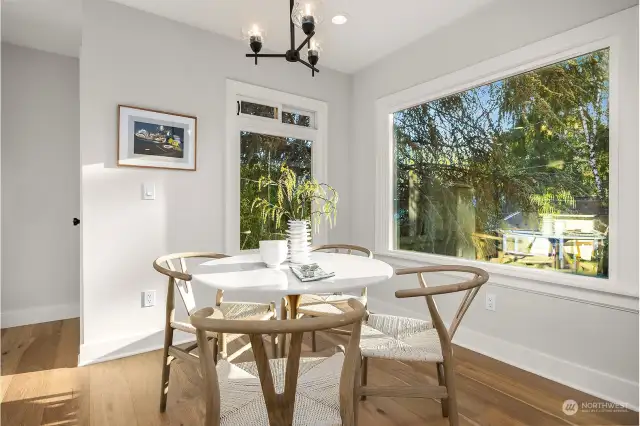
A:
[309,65]
[291,27]
[306,40]
[266,55]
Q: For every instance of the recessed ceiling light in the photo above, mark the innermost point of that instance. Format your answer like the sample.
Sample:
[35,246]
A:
[339,19]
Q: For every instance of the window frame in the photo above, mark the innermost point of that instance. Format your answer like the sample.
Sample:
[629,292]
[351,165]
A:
[615,32]
[236,122]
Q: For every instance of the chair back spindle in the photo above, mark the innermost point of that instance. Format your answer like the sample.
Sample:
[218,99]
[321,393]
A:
[470,287]
[184,288]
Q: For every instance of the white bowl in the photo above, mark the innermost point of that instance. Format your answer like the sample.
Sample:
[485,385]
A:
[273,252]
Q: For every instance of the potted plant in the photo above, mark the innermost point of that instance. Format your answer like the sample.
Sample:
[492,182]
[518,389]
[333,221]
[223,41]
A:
[549,205]
[299,201]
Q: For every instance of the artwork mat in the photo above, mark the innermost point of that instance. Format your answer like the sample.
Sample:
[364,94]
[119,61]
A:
[128,114]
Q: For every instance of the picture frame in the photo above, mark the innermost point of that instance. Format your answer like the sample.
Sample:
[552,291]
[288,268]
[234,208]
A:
[151,138]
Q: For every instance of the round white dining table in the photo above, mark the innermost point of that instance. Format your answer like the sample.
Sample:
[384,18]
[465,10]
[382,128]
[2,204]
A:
[248,273]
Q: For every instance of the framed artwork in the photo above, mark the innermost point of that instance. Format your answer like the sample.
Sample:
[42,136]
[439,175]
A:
[158,139]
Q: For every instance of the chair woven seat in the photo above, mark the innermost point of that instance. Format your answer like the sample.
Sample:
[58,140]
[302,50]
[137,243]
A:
[400,338]
[245,310]
[317,393]
[323,304]
[188,328]
[232,310]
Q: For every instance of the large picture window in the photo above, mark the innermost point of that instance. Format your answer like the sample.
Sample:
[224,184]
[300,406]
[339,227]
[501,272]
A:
[513,172]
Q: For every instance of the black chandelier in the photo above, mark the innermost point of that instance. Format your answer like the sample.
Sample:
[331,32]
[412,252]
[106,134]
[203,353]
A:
[304,18]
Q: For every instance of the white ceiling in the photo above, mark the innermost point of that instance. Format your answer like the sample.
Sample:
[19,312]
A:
[51,25]
[375,27]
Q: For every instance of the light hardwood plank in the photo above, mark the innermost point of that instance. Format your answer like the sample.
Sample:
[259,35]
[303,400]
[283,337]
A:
[142,383]
[15,341]
[111,402]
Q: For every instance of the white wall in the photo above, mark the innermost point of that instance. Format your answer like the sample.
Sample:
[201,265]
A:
[131,57]
[40,186]
[591,347]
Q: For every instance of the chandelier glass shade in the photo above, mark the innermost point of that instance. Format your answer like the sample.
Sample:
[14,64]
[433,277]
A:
[307,15]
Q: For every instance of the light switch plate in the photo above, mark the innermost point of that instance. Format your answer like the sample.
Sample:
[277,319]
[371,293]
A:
[148,191]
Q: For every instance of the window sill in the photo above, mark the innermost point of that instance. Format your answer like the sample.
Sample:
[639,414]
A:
[594,291]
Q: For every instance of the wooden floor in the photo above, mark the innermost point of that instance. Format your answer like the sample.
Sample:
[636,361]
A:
[42,385]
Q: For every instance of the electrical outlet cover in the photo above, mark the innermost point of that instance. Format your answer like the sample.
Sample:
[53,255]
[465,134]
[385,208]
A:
[490,302]
[148,298]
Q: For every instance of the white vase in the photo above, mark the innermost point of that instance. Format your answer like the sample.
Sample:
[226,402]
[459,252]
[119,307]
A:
[273,252]
[299,237]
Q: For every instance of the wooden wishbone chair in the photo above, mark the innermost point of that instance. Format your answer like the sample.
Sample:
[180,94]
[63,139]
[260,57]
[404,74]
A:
[407,339]
[266,392]
[317,305]
[233,310]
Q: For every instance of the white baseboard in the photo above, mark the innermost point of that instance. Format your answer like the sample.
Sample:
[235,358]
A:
[36,315]
[108,350]
[580,377]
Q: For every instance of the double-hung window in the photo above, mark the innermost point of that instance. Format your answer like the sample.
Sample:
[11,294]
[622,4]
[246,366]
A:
[517,170]
[265,130]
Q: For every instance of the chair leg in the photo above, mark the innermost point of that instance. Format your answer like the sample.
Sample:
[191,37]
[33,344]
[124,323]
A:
[274,343]
[314,347]
[363,374]
[283,337]
[215,351]
[222,346]
[274,346]
[166,368]
[444,402]
[449,380]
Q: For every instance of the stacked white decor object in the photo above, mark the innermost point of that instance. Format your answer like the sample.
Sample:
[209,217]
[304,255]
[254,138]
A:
[299,239]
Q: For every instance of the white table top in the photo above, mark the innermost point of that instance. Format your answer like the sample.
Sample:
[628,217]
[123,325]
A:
[249,273]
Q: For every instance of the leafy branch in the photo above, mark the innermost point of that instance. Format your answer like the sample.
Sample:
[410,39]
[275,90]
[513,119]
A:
[548,202]
[296,199]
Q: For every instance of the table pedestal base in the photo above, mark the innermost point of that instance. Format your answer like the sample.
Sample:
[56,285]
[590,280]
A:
[293,303]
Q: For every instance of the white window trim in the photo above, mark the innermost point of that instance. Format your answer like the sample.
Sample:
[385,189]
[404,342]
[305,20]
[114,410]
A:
[235,123]
[619,33]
